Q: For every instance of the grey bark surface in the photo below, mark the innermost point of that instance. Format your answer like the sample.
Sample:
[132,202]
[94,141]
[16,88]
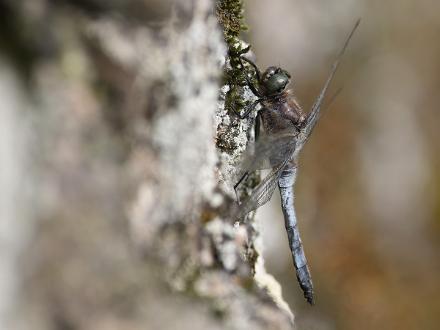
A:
[117,164]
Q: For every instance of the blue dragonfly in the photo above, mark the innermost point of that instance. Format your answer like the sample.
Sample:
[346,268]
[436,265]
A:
[286,130]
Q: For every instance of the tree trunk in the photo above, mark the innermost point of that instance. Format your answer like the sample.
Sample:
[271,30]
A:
[118,157]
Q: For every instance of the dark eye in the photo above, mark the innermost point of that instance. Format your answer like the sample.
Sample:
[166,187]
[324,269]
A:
[270,74]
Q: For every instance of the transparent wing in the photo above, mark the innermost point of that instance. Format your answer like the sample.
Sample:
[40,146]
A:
[262,193]
[269,151]
[313,116]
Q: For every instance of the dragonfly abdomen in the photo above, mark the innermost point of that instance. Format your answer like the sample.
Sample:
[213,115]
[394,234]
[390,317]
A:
[285,184]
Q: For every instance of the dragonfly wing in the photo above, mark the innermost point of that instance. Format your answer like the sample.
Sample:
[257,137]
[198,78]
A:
[262,193]
[313,117]
[269,151]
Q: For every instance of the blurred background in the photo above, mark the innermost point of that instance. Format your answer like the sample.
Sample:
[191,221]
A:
[367,195]
[368,192]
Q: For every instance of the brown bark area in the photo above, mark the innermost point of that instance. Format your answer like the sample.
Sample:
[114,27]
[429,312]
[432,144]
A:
[123,219]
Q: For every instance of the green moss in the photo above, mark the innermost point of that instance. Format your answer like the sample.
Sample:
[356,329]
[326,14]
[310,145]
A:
[231,19]
[230,16]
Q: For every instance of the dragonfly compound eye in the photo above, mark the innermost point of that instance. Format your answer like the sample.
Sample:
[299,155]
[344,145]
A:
[277,82]
[270,71]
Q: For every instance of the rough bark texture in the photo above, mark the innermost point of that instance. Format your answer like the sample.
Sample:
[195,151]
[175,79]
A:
[117,164]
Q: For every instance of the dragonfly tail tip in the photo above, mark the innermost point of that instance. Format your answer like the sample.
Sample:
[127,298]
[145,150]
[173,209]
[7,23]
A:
[310,298]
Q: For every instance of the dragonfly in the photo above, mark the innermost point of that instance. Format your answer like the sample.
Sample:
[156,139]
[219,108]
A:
[286,130]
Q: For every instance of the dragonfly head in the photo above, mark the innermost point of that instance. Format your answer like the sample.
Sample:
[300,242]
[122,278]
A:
[274,80]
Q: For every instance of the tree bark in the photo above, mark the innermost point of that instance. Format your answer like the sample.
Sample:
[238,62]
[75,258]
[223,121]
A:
[118,160]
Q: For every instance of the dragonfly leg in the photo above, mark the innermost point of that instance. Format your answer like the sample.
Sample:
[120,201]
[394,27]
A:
[257,126]
[243,177]
[248,109]
[253,88]
[257,71]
